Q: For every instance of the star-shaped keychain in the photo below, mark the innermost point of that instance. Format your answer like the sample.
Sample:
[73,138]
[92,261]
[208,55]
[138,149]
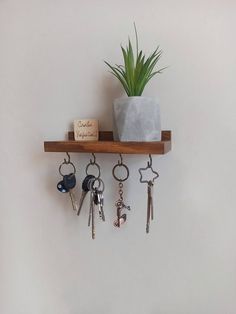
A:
[150,184]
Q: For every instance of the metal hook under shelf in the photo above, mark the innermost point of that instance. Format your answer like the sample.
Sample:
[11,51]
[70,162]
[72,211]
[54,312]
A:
[149,163]
[68,160]
[92,162]
[120,162]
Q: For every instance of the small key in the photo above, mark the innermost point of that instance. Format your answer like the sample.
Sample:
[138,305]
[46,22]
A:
[100,204]
[149,205]
[69,182]
[90,207]
[85,189]
[91,214]
[93,223]
[99,198]
[97,201]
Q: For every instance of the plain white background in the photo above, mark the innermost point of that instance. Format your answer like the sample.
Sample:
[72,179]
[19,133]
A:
[51,72]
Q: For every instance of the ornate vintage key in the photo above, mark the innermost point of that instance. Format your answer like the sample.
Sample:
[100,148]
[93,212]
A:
[85,190]
[120,205]
[69,181]
[150,184]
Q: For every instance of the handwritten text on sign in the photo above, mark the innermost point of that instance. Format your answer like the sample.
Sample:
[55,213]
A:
[86,130]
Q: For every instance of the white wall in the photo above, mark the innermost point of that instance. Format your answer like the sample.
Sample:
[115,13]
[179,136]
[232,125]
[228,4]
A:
[52,71]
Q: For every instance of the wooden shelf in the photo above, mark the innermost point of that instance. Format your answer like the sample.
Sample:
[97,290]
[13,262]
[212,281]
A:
[106,144]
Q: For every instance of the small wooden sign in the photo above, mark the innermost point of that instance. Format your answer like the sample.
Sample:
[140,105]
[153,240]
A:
[86,130]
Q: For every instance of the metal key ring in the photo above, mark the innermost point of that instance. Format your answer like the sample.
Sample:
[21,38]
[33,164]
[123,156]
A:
[100,182]
[93,164]
[66,163]
[114,169]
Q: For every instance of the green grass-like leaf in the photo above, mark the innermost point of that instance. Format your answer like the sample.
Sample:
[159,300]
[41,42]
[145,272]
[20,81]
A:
[137,70]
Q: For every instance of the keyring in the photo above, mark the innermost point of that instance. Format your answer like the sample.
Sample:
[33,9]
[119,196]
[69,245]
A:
[92,182]
[114,169]
[66,163]
[98,168]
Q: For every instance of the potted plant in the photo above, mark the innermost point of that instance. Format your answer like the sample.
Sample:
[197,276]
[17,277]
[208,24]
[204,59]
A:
[136,118]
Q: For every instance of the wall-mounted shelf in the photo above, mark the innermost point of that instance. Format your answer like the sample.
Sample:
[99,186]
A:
[106,144]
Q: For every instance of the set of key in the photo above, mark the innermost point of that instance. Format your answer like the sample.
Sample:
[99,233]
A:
[94,186]
[96,200]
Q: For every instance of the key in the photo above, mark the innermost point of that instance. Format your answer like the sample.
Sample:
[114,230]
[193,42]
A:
[98,197]
[151,200]
[93,222]
[69,182]
[100,204]
[90,207]
[91,214]
[85,189]
[99,201]
[149,205]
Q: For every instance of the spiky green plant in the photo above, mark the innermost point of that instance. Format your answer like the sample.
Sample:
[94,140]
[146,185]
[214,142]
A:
[136,71]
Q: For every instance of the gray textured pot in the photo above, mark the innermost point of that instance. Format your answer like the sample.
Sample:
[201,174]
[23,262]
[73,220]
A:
[136,119]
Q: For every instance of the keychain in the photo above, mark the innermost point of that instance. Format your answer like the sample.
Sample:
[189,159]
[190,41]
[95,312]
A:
[150,184]
[68,182]
[120,205]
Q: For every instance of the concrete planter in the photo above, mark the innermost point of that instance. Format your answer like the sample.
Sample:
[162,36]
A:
[136,119]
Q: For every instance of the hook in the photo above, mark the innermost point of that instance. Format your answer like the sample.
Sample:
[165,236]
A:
[150,161]
[67,161]
[92,162]
[120,162]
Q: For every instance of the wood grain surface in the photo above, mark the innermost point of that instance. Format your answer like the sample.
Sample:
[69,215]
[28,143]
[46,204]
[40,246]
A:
[107,145]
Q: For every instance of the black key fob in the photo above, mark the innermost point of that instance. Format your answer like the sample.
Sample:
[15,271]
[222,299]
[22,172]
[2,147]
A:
[69,181]
[61,188]
[86,182]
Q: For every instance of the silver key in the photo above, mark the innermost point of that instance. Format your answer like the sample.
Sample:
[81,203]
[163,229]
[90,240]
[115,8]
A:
[81,201]
[93,222]
[90,207]
[91,214]
[149,205]
[101,204]
[73,200]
